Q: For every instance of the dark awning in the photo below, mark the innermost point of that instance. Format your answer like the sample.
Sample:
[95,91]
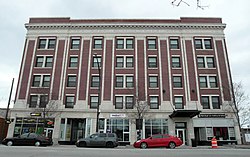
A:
[184,113]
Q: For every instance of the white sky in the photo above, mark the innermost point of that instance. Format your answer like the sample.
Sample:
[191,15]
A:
[15,13]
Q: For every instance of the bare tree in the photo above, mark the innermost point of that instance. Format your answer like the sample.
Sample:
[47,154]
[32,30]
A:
[240,106]
[179,2]
[141,109]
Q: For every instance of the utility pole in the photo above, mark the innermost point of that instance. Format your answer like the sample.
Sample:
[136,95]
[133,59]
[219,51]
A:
[99,95]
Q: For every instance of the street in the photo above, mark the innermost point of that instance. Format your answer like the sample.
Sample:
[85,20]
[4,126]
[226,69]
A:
[72,151]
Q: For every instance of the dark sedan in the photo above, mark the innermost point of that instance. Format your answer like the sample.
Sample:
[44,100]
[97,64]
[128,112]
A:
[31,139]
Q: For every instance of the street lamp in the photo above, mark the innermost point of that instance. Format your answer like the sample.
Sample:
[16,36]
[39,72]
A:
[99,94]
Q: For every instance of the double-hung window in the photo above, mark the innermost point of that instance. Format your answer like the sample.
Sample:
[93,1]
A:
[70,101]
[213,81]
[177,81]
[215,102]
[44,99]
[119,81]
[97,62]
[208,102]
[36,80]
[152,62]
[205,62]
[151,43]
[178,102]
[94,102]
[203,81]
[42,43]
[129,44]
[46,81]
[120,43]
[129,62]
[33,101]
[75,43]
[51,43]
[73,61]
[201,62]
[154,102]
[71,82]
[205,102]
[95,81]
[119,62]
[44,61]
[153,81]
[174,44]
[129,102]
[129,81]
[97,43]
[176,62]
[119,102]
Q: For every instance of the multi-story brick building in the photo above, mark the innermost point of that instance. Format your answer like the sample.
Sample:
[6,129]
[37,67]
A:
[178,68]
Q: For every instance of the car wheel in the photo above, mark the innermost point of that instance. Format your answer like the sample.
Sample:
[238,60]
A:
[9,143]
[37,143]
[171,145]
[109,145]
[144,145]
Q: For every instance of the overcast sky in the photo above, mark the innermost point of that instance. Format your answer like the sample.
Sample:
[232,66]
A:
[15,13]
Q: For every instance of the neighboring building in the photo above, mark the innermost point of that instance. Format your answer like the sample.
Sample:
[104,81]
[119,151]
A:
[178,67]
[3,124]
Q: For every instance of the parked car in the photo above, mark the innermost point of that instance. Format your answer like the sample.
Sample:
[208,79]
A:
[109,140]
[159,140]
[28,139]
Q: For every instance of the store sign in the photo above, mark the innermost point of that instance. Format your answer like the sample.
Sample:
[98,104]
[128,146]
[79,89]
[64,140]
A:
[211,115]
[35,114]
[247,137]
[117,115]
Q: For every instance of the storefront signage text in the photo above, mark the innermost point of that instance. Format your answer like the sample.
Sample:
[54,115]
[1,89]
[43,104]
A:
[117,115]
[212,116]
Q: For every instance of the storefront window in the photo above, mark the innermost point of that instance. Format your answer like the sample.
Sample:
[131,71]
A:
[155,126]
[120,127]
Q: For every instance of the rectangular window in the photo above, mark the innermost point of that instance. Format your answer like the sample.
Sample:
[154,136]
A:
[205,102]
[152,62]
[119,81]
[43,101]
[213,81]
[151,43]
[70,101]
[176,62]
[36,81]
[129,62]
[118,102]
[178,102]
[51,44]
[129,44]
[215,102]
[120,43]
[208,43]
[129,81]
[201,62]
[33,101]
[75,43]
[48,61]
[153,81]
[93,102]
[42,44]
[39,61]
[97,43]
[210,62]
[71,81]
[129,102]
[95,81]
[97,62]
[154,102]
[177,81]
[174,44]
[198,43]
[203,81]
[73,61]
[46,81]
[119,62]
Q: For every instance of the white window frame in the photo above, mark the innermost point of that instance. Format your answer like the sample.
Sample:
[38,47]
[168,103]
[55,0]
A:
[41,80]
[44,61]
[46,44]
[208,81]
[210,101]
[124,43]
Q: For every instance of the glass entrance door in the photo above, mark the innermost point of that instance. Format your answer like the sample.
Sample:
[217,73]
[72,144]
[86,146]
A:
[181,134]
[49,132]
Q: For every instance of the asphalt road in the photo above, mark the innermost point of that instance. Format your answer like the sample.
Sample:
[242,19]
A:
[72,151]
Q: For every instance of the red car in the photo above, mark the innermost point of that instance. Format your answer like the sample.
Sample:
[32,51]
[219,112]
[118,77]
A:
[159,140]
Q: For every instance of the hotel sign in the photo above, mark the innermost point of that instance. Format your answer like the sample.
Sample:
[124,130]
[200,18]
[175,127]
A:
[117,115]
[211,115]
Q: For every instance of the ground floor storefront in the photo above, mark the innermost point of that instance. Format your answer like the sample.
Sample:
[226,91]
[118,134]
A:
[68,128]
